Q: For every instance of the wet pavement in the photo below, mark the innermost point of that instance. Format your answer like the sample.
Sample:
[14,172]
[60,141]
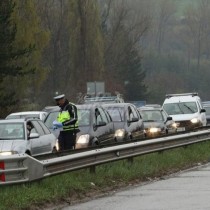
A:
[189,190]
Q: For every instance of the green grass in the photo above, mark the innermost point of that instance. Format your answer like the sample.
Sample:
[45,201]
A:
[68,186]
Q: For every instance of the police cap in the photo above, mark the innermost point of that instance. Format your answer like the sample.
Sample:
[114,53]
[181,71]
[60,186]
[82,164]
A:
[59,97]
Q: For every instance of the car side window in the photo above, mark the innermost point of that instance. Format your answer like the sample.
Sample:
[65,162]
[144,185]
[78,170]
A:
[31,128]
[44,127]
[133,113]
[98,117]
[37,128]
[103,115]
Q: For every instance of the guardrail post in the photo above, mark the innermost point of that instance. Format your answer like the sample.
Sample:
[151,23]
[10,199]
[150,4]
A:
[92,169]
[130,160]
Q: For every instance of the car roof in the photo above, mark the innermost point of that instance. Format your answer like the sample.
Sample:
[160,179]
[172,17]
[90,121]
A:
[50,108]
[148,108]
[12,120]
[181,98]
[27,112]
[118,105]
[19,119]
[87,106]
[79,106]
[153,105]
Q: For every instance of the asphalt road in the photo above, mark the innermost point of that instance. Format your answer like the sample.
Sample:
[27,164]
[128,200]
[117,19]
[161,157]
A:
[189,190]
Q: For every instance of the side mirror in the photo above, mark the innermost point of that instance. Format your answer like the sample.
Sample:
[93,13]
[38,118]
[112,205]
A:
[101,123]
[202,110]
[134,119]
[169,118]
[34,136]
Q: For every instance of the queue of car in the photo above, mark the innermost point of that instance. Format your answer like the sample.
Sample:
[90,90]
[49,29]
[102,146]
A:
[103,122]
[95,125]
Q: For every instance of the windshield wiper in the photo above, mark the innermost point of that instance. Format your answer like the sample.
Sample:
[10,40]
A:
[189,108]
[180,109]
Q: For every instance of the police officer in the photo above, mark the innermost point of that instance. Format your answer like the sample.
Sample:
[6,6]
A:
[67,122]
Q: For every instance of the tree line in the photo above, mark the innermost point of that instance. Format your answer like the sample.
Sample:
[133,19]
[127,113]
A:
[142,49]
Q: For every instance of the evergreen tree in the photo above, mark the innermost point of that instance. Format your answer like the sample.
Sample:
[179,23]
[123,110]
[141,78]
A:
[10,67]
[134,76]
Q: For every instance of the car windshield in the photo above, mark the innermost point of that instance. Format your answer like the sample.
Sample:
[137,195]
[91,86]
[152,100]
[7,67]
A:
[151,115]
[116,113]
[181,108]
[11,131]
[83,118]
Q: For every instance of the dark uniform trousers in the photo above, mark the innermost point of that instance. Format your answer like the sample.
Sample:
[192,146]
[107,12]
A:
[67,140]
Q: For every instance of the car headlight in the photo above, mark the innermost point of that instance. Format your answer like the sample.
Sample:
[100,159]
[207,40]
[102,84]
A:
[194,120]
[83,139]
[119,133]
[175,125]
[8,153]
[154,130]
[57,145]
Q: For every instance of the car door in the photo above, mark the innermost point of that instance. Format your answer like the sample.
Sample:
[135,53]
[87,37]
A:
[135,123]
[42,144]
[101,126]
[168,123]
[110,125]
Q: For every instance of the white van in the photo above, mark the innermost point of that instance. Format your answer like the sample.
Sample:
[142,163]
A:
[186,109]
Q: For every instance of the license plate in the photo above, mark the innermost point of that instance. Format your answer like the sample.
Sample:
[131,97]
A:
[181,129]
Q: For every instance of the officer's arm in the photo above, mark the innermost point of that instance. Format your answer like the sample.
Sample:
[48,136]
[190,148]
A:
[73,114]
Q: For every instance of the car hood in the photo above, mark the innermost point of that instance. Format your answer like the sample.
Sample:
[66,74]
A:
[118,125]
[153,124]
[13,145]
[83,130]
[183,117]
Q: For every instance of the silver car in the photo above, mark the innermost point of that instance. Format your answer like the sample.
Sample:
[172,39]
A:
[32,114]
[30,136]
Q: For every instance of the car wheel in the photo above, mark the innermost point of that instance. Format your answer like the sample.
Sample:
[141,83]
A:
[54,150]
[95,143]
[130,138]
[28,153]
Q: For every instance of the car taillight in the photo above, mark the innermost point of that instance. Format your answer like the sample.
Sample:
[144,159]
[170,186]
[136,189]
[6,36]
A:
[2,176]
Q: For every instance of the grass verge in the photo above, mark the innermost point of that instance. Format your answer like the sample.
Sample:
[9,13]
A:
[77,185]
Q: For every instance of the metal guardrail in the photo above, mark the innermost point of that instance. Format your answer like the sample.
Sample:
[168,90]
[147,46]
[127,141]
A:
[24,168]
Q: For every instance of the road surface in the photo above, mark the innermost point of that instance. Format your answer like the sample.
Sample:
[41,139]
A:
[189,190]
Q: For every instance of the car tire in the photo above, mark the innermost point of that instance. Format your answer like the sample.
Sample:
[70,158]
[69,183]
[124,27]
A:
[54,150]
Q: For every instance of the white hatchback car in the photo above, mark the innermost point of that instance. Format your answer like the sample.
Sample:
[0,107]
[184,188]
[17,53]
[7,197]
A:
[186,109]
[30,136]
[33,114]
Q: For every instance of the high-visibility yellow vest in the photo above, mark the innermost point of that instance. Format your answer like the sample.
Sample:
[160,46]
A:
[63,116]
